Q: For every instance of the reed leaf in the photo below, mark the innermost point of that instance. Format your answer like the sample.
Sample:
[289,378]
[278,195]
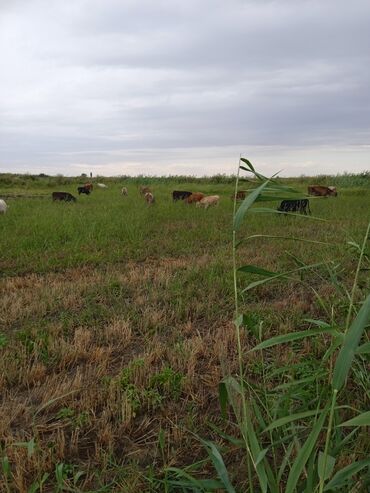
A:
[351,341]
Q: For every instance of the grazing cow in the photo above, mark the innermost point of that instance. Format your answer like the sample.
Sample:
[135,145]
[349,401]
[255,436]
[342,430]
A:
[149,197]
[301,206]
[124,191]
[143,190]
[102,185]
[90,186]
[240,195]
[84,190]
[320,191]
[180,195]
[194,197]
[3,206]
[208,201]
[64,196]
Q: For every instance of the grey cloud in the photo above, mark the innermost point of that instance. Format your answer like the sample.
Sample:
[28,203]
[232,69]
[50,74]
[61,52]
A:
[132,76]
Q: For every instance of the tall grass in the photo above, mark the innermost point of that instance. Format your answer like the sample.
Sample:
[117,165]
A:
[296,436]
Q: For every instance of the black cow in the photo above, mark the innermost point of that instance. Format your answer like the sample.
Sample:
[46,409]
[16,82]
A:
[85,190]
[300,205]
[65,196]
[180,195]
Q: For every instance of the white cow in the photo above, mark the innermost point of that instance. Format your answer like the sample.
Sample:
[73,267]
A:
[149,197]
[101,185]
[208,201]
[3,206]
[124,191]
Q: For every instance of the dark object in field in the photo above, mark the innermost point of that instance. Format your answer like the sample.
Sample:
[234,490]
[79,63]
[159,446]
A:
[180,195]
[300,205]
[239,195]
[90,186]
[321,191]
[84,189]
[194,197]
[143,190]
[149,197]
[65,196]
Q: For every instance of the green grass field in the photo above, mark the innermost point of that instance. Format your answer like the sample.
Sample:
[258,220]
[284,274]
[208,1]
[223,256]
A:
[116,328]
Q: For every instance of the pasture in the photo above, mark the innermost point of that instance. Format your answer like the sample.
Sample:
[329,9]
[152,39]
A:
[116,328]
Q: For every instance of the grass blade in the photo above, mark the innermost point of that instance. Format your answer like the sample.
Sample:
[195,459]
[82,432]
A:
[219,464]
[292,336]
[341,478]
[362,419]
[246,204]
[304,453]
[351,341]
[293,417]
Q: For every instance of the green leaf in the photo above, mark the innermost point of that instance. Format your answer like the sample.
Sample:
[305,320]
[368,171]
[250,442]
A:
[330,463]
[219,464]
[363,349]
[223,398]
[351,341]
[362,419]
[292,336]
[283,274]
[341,478]
[246,204]
[288,419]
[304,453]
[261,456]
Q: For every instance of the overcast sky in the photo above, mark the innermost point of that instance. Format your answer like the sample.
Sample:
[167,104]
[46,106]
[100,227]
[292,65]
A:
[169,87]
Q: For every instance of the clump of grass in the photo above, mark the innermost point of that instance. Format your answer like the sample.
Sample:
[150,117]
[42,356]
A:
[296,436]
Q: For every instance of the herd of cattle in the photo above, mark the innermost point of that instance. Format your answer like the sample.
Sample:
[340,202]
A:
[301,206]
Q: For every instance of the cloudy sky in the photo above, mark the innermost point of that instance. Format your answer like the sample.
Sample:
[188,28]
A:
[169,86]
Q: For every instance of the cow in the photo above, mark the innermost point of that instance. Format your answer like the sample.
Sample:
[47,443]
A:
[102,185]
[208,201]
[149,197]
[300,205]
[64,196]
[3,206]
[124,191]
[143,190]
[180,195]
[240,195]
[194,197]
[320,191]
[84,190]
[89,186]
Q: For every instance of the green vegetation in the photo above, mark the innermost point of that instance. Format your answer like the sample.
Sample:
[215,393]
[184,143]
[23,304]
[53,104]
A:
[121,369]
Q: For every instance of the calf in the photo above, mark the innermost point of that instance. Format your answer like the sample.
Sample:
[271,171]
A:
[124,191]
[208,201]
[194,197]
[180,195]
[149,197]
[240,195]
[300,205]
[3,206]
[102,185]
[320,191]
[64,196]
[84,190]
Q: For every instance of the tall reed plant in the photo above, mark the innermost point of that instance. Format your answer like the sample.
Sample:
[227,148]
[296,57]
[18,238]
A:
[299,436]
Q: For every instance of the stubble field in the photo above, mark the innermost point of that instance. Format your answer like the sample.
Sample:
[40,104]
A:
[116,328]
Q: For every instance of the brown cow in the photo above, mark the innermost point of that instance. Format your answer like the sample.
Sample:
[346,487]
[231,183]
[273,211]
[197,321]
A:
[143,190]
[240,195]
[194,197]
[89,186]
[321,191]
